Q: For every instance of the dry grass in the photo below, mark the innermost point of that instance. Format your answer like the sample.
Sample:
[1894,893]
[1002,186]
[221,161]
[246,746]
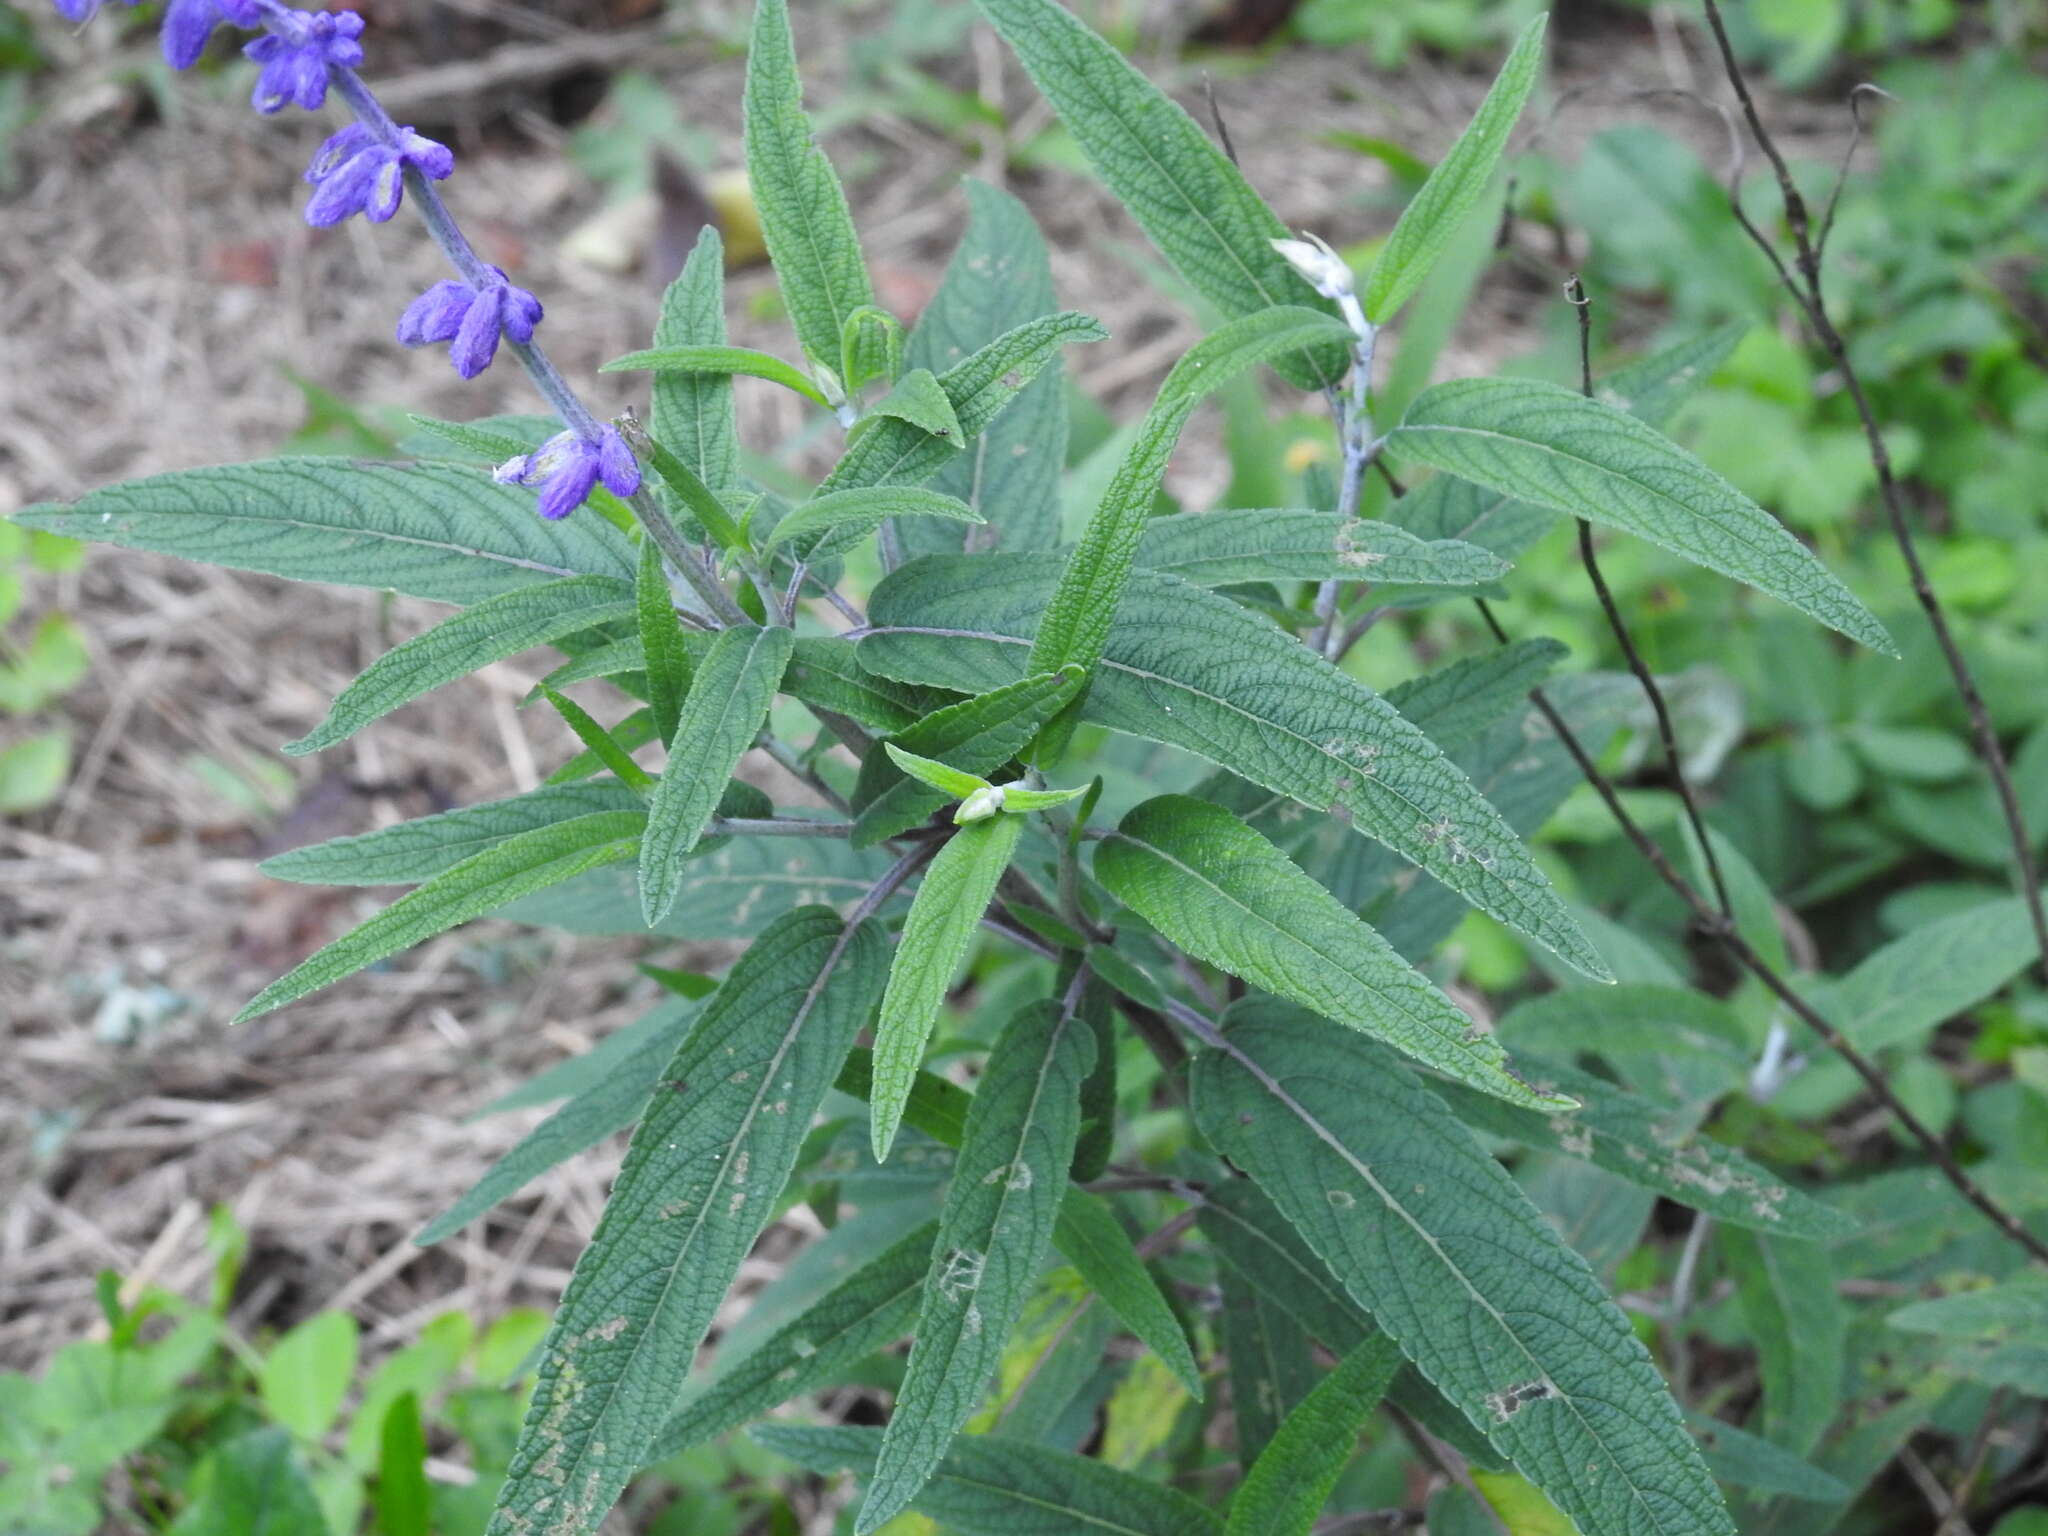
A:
[155,285]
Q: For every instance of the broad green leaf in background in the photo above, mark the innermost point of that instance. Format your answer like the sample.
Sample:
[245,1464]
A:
[828,525]
[440,531]
[574,1075]
[894,452]
[804,217]
[870,1308]
[1750,1461]
[1191,668]
[1286,1488]
[308,1372]
[996,1487]
[1786,1292]
[1182,190]
[1629,1137]
[1097,573]
[935,1108]
[661,644]
[1226,896]
[1553,447]
[950,782]
[253,1485]
[1461,701]
[976,736]
[704,1171]
[1433,1237]
[944,917]
[692,415]
[490,631]
[518,866]
[1679,1045]
[722,361]
[610,1104]
[1240,544]
[999,277]
[728,700]
[1454,188]
[1998,1335]
[998,1216]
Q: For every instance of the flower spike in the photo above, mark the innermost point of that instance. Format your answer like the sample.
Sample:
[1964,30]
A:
[298,54]
[357,171]
[471,319]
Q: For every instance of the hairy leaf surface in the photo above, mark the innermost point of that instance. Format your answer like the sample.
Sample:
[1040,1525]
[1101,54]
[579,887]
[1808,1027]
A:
[944,917]
[1240,544]
[1192,669]
[995,1487]
[703,1173]
[1432,1236]
[722,361]
[692,414]
[440,531]
[1786,1293]
[1095,1243]
[1182,190]
[728,700]
[520,865]
[831,524]
[1553,447]
[1286,1488]
[804,217]
[662,647]
[1227,896]
[998,1216]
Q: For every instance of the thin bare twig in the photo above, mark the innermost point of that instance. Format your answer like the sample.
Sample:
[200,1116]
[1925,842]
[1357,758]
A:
[1216,117]
[1713,922]
[1575,294]
[1813,306]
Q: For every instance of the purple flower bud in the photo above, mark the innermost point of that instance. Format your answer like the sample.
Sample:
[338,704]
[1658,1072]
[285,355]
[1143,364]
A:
[566,468]
[296,59]
[472,319]
[355,171]
[189,23]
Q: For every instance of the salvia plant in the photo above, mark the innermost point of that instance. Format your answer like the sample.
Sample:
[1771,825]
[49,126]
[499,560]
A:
[1220,984]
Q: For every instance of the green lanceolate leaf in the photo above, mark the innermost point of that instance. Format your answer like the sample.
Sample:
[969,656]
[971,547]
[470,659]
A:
[1271,1364]
[976,736]
[518,866]
[610,1104]
[1196,206]
[413,851]
[692,414]
[491,446]
[950,782]
[869,1309]
[1998,1335]
[999,277]
[662,648]
[1455,186]
[598,740]
[575,1074]
[998,1216]
[1097,573]
[1750,1461]
[440,531]
[722,361]
[831,524]
[1192,669]
[1431,1236]
[894,452]
[703,1174]
[728,700]
[804,217]
[692,497]
[1648,1144]
[1227,896]
[943,919]
[1095,1243]
[1459,702]
[994,1487]
[919,399]
[1554,448]
[826,671]
[935,1108]
[495,628]
[1219,549]
[1289,1483]
[1786,1293]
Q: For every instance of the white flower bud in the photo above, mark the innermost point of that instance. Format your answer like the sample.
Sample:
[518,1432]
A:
[980,805]
[1328,273]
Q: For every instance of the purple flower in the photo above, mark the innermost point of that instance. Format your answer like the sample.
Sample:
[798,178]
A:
[79,12]
[296,60]
[567,466]
[189,23]
[471,319]
[355,171]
